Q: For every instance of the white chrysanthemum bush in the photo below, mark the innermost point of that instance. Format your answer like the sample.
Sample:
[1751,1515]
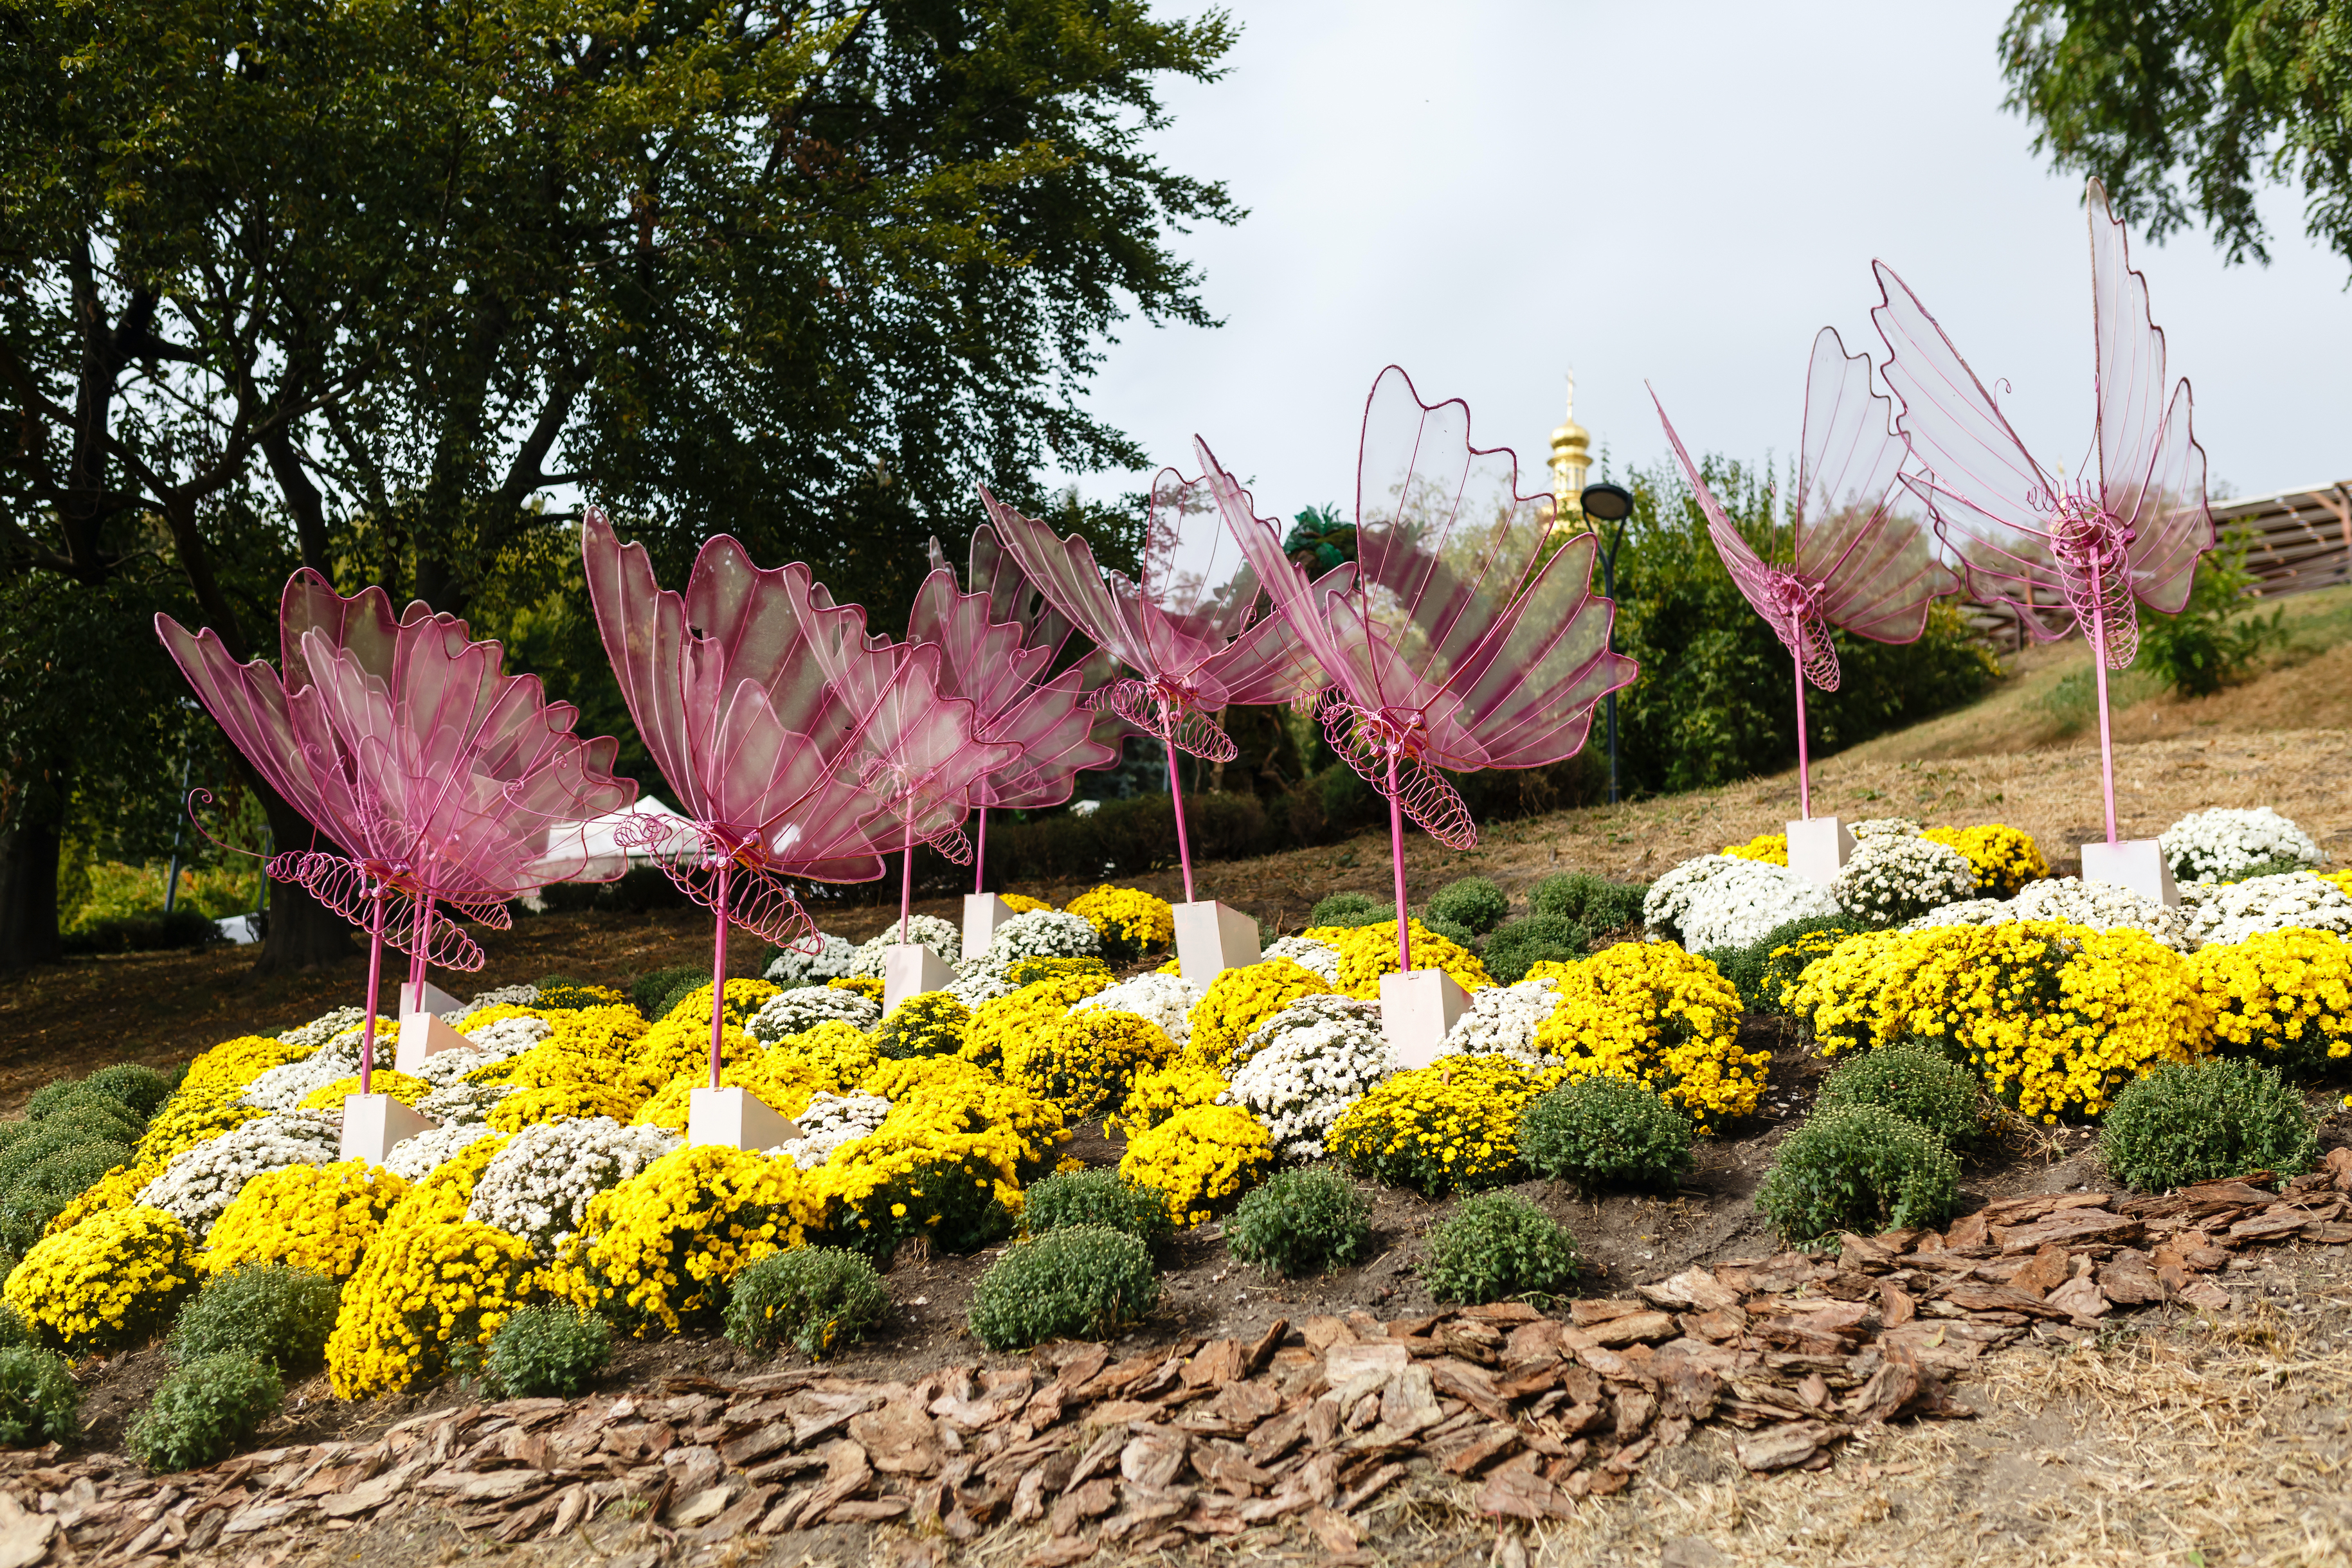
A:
[1306,1065]
[2220,844]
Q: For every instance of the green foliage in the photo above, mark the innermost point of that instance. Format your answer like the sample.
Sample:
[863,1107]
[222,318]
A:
[1759,973]
[139,1090]
[199,1413]
[278,1314]
[655,994]
[548,1350]
[1862,1168]
[14,1329]
[1102,1198]
[1452,930]
[38,1397]
[1472,902]
[1301,1221]
[22,1159]
[1592,901]
[2285,866]
[1605,1132]
[1518,947]
[2214,641]
[1083,1282]
[1351,909]
[1498,1245]
[1913,1081]
[813,1299]
[2190,1122]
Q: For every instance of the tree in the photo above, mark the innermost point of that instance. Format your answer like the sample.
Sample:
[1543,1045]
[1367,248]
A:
[2190,107]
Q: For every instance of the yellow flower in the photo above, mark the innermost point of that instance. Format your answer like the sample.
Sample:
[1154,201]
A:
[1368,952]
[1241,999]
[1451,1126]
[1665,1019]
[1157,1093]
[2003,858]
[417,1291]
[1130,921]
[112,1279]
[401,1086]
[319,1217]
[1771,848]
[1197,1157]
[658,1250]
[1083,1061]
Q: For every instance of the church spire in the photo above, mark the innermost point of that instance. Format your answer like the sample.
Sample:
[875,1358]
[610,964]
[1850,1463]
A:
[1572,459]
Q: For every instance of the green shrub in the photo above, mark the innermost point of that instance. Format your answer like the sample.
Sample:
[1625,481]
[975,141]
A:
[38,1397]
[1605,1132]
[2286,865]
[1452,930]
[652,993]
[1101,1198]
[140,1089]
[282,1316]
[2216,638]
[1517,948]
[550,1350]
[2204,1122]
[1301,1222]
[1593,901]
[1862,1168]
[14,1329]
[1498,1245]
[1910,1079]
[1759,972]
[24,1217]
[203,1411]
[1472,902]
[1351,909]
[12,1130]
[813,1299]
[1083,1282]
[62,1134]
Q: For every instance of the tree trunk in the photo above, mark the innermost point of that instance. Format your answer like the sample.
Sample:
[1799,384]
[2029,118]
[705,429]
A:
[302,932]
[28,893]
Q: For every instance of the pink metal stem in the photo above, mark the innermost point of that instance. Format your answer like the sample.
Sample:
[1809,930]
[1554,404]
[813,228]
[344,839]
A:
[1176,795]
[375,976]
[907,881]
[718,975]
[1804,782]
[420,947]
[1396,859]
[980,854]
[2099,669]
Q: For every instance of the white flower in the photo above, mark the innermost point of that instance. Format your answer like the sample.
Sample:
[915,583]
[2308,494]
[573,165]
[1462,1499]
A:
[283,1088]
[2297,901]
[200,1183]
[1307,954]
[2102,904]
[324,1027]
[1045,934]
[499,997]
[832,960]
[831,1122]
[538,1187]
[1311,1062]
[1164,1000]
[1718,901]
[926,930]
[1890,877]
[414,1159]
[2210,846]
[980,980]
[1503,1020]
[793,1011]
[1871,828]
[461,1103]
[1967,912]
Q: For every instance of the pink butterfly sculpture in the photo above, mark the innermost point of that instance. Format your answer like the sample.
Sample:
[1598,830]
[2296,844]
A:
[1458,639]
[799,747]
[2063,557]
[1188,627]
[1856,561]
[448,784]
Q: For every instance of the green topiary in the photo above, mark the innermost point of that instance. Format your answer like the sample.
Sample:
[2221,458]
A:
[1498,1245]
[655,994]
[550,1350]
[1472,902]
[1096,1197]
[1517,948]
[1301,1221]
[96,1116]
[2205,1122]
[1351,909]
[813,1299]
[278,1314]
[38,1397]
[1593,901]
[1083,1282]
[1910,1079]
[1605,1132]
[1862,1168]
[201,1412]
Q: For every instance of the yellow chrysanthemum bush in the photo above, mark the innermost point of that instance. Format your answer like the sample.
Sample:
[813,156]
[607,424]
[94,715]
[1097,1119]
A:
[2283,994]
[2053,1018]
[946,1163]
[1665,1019]
[677,1045]
[561,1101]
[2342,879]
[1084,1061]
[870,986]
[319,1217]
[2004,858]
[928,1023]
[406,1089]
[1006,1020]
[115,1189]
[113,1280]
[1773,849]
[1241,999]
[554,1000]
[185,1123]
[441,1196]
[417,1293]
[784,1083]
[837,1053]
[224,1072]
[1131,923]
[657,1251]
[1368,952]
[1453,1127]
[1022,903]
[1157,1093]
[744,998]
[1199,1157]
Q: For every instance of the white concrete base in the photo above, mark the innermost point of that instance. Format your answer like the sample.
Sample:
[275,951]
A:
[426,997]
[982,913]
[1211,937]
[374,1123]
[1417,1011]
[736,1119]
[2135,863]
[1818,848]
[423,1035]
[909,969]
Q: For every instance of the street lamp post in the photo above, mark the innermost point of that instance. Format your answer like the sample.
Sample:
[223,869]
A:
[1607,503]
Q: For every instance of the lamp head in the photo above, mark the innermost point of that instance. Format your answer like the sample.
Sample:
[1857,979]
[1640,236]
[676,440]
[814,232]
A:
[1607,503]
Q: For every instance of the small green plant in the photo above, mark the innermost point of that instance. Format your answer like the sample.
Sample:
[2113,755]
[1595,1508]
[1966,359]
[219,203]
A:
[280,1315]
[1351,909]
[1605,1132]
[1517,948]
[1301,1222]
[1452,930]
[1863,1168]
[2215,639]
[139,1091]
[13,1330]
[1592,901]
[655,994]
[1473,903]
[1759,973]
[38,1398]
[550,1350]
[203,1411]
[1498,1245]
[1083,1282]
[2207,1121]
[1911,1080]
[2284,866]
[814,1299]
[1096,1197]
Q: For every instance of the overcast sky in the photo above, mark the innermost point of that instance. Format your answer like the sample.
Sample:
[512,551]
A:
[1490,192]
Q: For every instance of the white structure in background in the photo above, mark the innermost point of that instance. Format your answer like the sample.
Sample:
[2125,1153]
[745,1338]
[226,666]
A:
[606,858]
